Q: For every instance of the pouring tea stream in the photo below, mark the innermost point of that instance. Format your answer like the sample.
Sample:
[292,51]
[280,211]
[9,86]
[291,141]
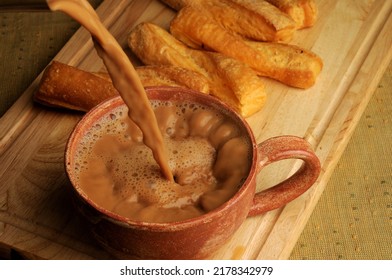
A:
[123,75]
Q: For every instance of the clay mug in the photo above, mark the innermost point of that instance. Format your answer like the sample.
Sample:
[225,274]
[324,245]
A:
[199,237]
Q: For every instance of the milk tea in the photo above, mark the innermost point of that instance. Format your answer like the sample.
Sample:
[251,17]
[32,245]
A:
[209,156]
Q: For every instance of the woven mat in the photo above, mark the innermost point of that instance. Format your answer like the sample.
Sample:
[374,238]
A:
[28,41]
[353,219]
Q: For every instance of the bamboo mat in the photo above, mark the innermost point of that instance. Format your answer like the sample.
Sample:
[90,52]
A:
[353,219]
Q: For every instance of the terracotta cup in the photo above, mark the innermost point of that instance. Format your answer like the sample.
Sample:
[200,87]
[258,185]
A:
[195,238]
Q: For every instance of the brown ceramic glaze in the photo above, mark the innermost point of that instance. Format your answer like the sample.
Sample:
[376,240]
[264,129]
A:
[199,237]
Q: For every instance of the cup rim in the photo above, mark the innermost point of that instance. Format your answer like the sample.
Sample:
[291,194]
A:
[100,109]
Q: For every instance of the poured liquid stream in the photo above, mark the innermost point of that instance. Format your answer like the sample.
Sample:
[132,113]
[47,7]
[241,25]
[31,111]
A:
[123,75]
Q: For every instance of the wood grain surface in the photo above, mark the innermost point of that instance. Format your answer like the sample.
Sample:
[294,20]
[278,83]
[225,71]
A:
[36,216]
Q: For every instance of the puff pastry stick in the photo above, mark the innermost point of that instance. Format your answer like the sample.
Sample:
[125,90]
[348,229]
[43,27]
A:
[256,20]
[303,12]
[233,82]
[68,87]
[162,75]
[289,64]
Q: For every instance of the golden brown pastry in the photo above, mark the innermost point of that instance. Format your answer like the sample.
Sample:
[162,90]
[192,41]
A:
[256,20]
[289,64]
[161,75]
[69,87]
[303,12]
[233,82]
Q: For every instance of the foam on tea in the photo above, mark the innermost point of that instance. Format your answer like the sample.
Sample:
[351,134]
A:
[208,155]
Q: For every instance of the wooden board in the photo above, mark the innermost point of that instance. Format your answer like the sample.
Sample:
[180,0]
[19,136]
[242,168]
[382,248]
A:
[36,216]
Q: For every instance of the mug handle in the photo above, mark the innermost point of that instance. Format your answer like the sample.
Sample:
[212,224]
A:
[280,148]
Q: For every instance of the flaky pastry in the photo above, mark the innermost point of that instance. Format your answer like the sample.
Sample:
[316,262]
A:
[256,20]
[233,82]
[289,64]
[163,75]
[303,12]
[68,87]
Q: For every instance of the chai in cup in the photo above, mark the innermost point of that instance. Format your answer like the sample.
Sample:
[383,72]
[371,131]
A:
[201,225]
[209,154]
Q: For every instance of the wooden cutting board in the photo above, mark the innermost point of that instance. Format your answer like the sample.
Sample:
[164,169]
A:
[353,38]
